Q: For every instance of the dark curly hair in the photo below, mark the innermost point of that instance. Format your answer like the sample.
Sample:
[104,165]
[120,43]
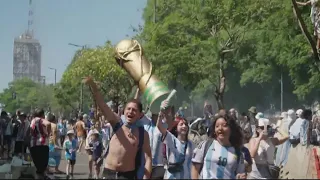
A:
[236,136]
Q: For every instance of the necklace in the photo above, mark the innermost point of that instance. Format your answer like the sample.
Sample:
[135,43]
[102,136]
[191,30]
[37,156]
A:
[130,127]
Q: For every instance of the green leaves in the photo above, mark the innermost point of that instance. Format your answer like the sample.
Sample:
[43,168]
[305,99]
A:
[185,42]
[99,63]
[28,96]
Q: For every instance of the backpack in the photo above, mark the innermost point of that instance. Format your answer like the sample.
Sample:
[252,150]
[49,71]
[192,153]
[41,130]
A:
[15,130]
[139,155]
[206,148]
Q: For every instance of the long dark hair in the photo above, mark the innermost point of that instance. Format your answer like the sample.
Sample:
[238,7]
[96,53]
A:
[236,136]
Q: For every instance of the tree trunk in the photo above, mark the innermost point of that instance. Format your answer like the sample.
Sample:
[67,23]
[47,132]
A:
[219,92]
[306,33]
[116,104]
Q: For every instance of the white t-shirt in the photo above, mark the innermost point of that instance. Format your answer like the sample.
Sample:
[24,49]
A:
[175,150]
[265,152]
[294,130]
[219,162]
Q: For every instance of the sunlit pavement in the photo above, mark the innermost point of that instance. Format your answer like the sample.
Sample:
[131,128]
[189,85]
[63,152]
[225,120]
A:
[81,169]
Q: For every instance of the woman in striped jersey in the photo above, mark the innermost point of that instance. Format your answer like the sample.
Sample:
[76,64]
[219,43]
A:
[178,149]
[221,157]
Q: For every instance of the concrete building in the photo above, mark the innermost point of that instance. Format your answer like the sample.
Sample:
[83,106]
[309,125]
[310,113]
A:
[27,58]
[27,54]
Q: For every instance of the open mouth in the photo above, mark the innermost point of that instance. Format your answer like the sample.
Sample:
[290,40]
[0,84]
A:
[220,133]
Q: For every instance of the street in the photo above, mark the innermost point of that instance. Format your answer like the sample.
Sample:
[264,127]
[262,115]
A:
[81,169]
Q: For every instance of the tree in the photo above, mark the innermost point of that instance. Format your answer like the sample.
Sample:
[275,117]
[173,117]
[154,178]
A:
[186,41]
[191,43]
[276,45]
[25,94]
[100,64]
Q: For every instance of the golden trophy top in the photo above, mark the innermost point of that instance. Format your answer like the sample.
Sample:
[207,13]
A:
[129,55]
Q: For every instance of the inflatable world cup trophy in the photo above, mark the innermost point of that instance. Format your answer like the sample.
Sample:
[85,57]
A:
[129,55]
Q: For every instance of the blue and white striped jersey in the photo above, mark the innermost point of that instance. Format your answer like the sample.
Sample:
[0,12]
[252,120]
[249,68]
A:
[175,151]
[154,136]
[219,162]
[155,143]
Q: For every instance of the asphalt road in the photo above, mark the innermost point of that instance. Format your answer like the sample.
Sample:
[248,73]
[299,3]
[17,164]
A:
[81,169]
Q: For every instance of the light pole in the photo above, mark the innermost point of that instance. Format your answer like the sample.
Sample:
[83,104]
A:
[77,45]
[81,90]
[55,75]
[281,91]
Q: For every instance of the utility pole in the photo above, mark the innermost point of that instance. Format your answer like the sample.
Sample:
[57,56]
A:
[155,11]
[192,108]
[81,88]
[55,75]
[81,98]
[281,91]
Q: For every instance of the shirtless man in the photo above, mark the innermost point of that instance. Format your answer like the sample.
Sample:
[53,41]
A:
[81,130]
[120,161]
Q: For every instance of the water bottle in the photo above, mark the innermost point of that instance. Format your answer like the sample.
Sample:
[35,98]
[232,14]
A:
[172,93]
[28,158]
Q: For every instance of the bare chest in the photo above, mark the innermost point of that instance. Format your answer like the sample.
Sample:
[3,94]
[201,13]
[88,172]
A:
[125,138]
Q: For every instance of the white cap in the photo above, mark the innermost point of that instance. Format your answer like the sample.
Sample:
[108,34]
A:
[284,115]
[94,131]
[70,132]
[259,115]
[263,122]
[290,112]
[299,112]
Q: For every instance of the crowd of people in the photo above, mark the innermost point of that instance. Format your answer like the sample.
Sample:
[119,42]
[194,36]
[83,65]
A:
[132,145]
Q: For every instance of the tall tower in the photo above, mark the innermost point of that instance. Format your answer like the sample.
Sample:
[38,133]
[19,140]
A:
[30,19]
[27,53]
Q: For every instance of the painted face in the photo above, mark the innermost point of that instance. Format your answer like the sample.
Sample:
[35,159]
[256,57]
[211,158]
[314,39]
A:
[222,129]
[132,112]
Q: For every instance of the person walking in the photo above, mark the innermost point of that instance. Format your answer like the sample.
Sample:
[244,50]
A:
[39,149]
[70,146]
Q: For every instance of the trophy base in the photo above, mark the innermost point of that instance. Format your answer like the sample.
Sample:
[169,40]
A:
[154,92]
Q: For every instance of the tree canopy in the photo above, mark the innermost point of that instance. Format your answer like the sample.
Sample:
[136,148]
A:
[191,44]
[25,94]
[187,38]
[100,64]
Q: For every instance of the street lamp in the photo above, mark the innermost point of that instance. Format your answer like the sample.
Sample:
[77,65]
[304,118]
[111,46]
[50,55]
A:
[81,92]
[55,75]
[76,45]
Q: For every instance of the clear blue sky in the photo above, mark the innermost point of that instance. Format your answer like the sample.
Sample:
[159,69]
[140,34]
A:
[59,22]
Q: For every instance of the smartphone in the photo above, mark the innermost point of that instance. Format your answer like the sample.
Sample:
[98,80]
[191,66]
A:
[271,131]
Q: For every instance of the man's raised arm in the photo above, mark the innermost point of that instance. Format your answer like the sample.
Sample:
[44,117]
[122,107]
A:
[106,111]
